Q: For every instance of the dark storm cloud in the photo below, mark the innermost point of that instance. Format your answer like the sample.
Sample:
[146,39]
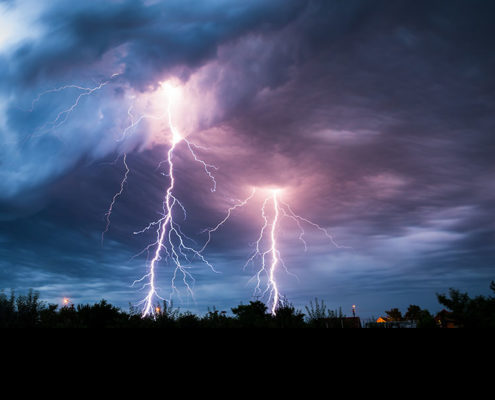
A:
[403,95]
[156,37]
[394,111]
[378,114]
[93,41]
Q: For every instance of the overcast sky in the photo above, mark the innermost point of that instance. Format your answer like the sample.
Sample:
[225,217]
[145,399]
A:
[376,118]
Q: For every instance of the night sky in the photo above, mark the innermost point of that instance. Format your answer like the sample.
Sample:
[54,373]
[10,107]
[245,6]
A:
[375,117]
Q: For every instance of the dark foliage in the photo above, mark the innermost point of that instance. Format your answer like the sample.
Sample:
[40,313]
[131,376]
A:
[320,317]
[28,311]
[467,312]
[394,315]
[253,315]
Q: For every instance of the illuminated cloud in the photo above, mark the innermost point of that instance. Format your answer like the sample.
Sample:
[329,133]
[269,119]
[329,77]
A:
[377,118]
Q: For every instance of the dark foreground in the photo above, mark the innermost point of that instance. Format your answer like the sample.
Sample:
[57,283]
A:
[28,311]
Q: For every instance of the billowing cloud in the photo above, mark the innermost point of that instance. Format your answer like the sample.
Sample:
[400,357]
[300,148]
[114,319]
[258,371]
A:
[375,117]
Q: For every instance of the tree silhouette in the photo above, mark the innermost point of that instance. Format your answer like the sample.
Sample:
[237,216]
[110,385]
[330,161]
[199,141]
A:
[423,318]
[413,313]
[287,316]
[394,315]
[478,312]
[7,310]
[253,315]
[28,311]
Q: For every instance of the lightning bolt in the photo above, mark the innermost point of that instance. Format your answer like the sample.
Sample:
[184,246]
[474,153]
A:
[135,122]
[64,115]
[267,255]
[271,251]
[227,217]
[170,241]
[108,214]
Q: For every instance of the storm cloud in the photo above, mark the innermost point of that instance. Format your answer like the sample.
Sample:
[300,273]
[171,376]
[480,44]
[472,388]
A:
[377,118]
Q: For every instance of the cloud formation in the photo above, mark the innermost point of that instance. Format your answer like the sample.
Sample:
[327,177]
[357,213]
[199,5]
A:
[376,117]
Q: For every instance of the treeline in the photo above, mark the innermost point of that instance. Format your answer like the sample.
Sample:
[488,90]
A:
[461,311]
[28,311]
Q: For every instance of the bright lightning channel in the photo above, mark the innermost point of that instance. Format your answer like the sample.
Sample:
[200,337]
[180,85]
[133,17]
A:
[170,240]
[267,253]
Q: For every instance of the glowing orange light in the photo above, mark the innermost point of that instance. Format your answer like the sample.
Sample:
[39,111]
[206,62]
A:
[66,301]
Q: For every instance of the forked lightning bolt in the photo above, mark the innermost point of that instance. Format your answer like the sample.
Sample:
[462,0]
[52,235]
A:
[227,217]
[267,254]
[63,115]
[170,241]
[272,252]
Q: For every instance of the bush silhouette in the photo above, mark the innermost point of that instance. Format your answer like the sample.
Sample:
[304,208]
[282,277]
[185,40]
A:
[253,315]
[478,312]
[28,311]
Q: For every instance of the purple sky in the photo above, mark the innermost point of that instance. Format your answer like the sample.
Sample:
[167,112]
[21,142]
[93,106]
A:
[376,117]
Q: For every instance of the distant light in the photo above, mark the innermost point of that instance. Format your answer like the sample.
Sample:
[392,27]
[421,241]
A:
[66,301]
